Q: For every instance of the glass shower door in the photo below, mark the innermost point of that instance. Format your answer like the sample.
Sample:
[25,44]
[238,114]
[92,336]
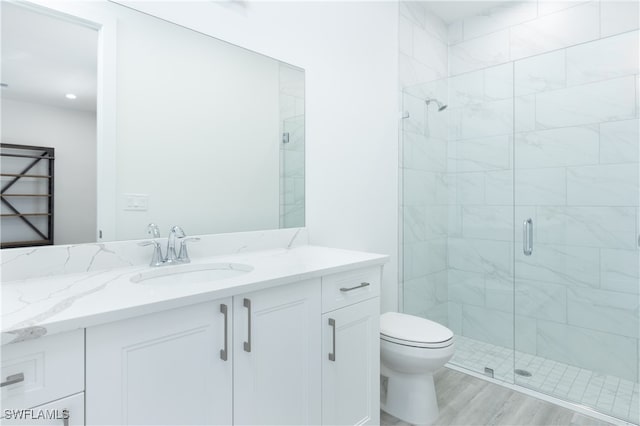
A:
[480,227]
[576,260]
[457,213]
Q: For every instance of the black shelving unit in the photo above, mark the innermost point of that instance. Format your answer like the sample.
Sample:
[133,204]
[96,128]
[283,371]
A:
[28,158]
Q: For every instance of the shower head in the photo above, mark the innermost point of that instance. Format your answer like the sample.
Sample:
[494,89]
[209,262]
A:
[441,106]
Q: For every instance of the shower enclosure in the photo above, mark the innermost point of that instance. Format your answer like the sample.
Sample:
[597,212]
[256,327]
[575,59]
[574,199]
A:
[520,220]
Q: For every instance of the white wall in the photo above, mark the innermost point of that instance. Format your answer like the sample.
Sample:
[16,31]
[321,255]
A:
[73,135]
[349,53]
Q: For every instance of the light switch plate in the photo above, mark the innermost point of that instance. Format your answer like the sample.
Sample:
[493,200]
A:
[136,202]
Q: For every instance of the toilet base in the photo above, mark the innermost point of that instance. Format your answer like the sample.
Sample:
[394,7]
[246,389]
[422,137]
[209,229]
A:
[410,397]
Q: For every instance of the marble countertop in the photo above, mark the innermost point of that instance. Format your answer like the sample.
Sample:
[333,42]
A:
[49,305]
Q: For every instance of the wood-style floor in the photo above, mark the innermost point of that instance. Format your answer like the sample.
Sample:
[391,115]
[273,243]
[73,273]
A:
[467,400]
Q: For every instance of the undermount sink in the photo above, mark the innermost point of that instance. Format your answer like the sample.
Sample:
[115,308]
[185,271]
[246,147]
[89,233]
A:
[188,274]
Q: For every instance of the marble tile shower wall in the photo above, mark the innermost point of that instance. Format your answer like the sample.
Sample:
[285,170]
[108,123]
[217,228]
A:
[423,58]
[292,147]
[569,73]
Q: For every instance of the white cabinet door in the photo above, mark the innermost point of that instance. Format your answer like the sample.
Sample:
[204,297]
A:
[277,378]
[63,412]
[350,364]
[163,368]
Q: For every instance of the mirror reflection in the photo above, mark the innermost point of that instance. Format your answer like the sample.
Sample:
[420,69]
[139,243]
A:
[209,136]
[49,76]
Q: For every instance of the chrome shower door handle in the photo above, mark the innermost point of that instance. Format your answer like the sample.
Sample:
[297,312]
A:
[224,311]
[527,237]
[247,345]
[332,354]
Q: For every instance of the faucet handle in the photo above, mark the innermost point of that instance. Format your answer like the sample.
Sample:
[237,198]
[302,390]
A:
[156,258]
[153,229]
[183,255]
[178,231]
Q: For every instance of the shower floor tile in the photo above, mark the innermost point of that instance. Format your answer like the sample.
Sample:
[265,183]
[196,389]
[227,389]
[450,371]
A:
[607,394]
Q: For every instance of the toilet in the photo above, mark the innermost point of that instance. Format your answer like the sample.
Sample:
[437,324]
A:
[411,350]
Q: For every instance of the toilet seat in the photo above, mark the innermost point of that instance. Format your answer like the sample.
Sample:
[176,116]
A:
[409,330]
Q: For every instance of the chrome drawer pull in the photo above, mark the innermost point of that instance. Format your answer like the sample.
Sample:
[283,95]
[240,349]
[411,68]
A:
[223,352]
[247,345]
[355,288]
[13,379]
[332,354]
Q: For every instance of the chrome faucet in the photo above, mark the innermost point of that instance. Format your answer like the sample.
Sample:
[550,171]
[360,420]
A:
[175,233]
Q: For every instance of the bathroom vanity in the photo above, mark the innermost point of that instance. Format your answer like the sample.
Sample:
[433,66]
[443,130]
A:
[280,336]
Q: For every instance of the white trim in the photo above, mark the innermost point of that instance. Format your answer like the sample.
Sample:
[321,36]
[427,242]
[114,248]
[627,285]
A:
[582,409]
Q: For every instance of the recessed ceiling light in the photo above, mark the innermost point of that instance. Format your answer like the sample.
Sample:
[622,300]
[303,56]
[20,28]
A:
[70,96]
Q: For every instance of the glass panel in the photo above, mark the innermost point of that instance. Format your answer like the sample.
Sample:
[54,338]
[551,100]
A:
[576,178]
[424,203]
[457,212]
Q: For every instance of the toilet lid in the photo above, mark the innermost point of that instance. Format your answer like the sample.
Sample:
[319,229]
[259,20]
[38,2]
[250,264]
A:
[410,328]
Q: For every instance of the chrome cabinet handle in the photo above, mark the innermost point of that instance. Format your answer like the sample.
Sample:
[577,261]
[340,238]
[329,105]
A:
[13,379]
[247,344]
[332,354]
[223,352]
[527,237]
[344,289]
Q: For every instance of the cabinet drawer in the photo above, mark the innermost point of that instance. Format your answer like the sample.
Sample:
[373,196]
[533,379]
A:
[345,288]
[67,411]
[52,367]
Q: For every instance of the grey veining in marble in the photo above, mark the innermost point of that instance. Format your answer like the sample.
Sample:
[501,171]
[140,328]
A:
[26,263]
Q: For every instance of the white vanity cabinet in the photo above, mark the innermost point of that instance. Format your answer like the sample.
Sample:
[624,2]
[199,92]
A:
[162,368]
[167,368]
[43,375]
[277,379]
[351,348]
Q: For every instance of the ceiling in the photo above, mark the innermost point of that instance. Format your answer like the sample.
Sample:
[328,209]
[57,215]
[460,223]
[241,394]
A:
[45,57]
[453,10]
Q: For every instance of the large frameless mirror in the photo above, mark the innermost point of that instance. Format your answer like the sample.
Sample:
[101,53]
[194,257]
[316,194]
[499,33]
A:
[209,135]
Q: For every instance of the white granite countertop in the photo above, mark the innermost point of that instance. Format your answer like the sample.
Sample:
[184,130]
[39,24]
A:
[49,305]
